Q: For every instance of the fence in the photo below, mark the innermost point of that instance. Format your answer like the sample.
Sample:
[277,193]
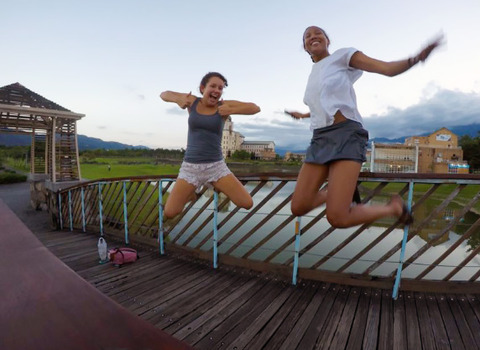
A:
[439,252]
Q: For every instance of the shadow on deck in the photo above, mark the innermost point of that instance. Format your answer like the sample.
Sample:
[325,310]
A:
[45,305]
[232,308]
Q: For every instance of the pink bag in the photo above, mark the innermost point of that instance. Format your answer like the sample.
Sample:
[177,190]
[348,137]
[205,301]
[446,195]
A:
[120,256]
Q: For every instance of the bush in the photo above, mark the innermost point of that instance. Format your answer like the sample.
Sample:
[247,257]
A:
[10,178]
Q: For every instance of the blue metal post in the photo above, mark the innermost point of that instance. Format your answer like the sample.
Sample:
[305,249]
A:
[215,232]
[60,210]
[83,210]
[297,250]
[100,209]
[396,286]
[125,211]
[70,209]
[160,217]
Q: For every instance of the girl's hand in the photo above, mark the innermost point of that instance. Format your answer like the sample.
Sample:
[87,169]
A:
[185,101]
[423,55]
[224,109]
[294,115]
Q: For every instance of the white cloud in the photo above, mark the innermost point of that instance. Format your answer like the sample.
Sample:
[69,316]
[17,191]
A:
[446,108]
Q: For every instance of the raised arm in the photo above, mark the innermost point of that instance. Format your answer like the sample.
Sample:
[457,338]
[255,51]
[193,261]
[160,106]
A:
[361,61]
[181,99]
[236,107]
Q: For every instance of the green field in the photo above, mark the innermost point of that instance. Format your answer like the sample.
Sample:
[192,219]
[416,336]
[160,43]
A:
[114,167]
[123,167]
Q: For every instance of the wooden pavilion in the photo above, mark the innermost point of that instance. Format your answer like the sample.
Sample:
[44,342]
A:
[54,159]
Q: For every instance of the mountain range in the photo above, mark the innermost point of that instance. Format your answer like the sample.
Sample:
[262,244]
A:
[84,142]
[89,143]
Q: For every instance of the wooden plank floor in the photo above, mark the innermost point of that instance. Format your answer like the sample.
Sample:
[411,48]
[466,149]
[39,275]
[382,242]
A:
[237,309]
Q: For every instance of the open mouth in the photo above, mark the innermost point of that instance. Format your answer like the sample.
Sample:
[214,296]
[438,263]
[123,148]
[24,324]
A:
[213,98]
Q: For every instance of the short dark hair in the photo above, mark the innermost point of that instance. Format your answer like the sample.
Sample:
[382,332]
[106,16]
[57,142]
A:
[210,75]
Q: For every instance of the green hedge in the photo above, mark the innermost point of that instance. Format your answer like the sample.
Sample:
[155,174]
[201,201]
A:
[10,178]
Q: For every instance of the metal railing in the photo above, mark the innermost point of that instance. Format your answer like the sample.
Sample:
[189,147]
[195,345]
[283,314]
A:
[439,251]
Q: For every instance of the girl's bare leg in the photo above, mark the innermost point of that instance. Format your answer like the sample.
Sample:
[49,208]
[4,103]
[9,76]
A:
[234,190]
[182,193]
[342,181]
[307,196]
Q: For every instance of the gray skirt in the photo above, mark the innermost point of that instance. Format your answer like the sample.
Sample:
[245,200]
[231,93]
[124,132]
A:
[345,140]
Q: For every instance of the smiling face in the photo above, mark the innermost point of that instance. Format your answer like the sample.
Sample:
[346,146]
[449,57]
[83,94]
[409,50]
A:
[316,43]
[212,91]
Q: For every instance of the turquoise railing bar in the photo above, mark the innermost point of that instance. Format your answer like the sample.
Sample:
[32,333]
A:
[297,250]
[100,209]
[125,211]
[160,214]
[396,286]
[215,231]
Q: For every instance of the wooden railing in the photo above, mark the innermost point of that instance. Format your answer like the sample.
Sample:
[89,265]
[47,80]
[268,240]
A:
[440,251]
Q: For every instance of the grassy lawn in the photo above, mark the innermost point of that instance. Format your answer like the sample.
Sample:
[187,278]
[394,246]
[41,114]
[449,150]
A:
[98,171]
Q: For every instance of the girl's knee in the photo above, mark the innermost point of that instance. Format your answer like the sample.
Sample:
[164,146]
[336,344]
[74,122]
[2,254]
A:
[246,203]
[337,220]
[170,212]
[298,209]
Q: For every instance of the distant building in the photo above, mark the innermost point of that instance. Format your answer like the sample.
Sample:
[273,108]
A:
[234,141]
[262,149]
[290,156]
[231,140]
[391,158]
[439,153]
[436,153]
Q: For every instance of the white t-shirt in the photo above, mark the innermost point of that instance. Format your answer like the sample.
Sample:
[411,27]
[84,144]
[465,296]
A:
[330,88]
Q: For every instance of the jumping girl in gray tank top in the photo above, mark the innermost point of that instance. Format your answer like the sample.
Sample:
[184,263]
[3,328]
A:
[203,162]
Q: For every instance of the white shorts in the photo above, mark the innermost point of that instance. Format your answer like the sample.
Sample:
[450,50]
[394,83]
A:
[199,174]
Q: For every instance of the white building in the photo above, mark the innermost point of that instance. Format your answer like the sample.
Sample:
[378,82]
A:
[234,141]
[262,149]
[231,140]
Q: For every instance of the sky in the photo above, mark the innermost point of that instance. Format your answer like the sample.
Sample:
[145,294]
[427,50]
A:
[110,60]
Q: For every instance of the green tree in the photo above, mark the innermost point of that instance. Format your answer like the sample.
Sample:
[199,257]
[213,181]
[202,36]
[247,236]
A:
[471,150]
[241,154]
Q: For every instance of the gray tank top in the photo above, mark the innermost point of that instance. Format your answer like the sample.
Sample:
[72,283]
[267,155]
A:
[204,143]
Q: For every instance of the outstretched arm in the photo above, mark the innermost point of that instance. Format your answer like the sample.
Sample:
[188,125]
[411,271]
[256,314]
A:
[361,61]
[236,107]
[297,115]
[181,99]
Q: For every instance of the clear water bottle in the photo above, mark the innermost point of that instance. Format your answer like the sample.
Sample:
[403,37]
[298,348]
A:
[102,250]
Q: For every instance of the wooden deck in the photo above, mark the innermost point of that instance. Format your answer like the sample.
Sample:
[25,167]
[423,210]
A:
[230,308]
[236,309]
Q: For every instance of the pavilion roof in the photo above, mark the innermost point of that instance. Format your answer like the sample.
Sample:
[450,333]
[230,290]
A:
[18,95]
[16,101]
